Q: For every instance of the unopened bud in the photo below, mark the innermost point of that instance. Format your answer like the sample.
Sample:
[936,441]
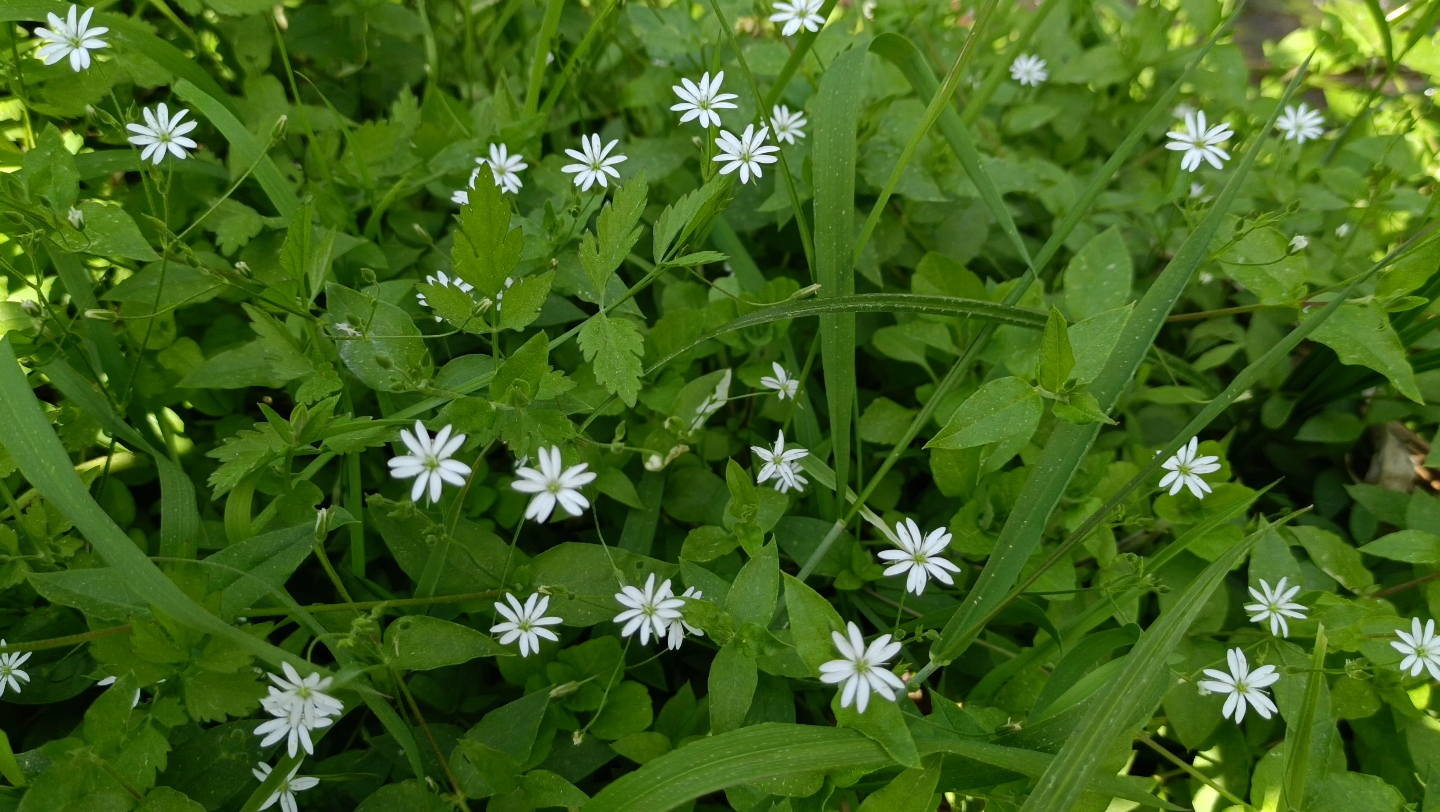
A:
[100,314]
[804,293]
[384,361]
[278,131]
[76,218]
[31,307]
[242,267]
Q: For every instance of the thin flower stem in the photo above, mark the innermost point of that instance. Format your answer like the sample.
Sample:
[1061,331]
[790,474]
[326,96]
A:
[1190,770]
[382,604]
[64,642]
[439,754]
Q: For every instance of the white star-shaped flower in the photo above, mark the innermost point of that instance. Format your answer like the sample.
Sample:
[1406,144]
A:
[679,628]
[299,706]
[1275,605]
[699,102]
[788,126]
[1301,124]
[595,163]
[649,610]
[862,668]
[11,674]
[1200,142]
[1242,686]
[526,623]
[429,461]
[784,385]
[161,133]
[745,153]
[553,484]
[919,554]
[440,278]
[1028,69]
[1299,243]
[505,167]
[1185,469]
[797,14]
[1421,648]
[291,784]
[780,465]
[70,37]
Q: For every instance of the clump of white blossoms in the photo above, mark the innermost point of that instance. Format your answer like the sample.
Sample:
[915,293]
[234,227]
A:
[679,628]
[919,554]
[1300,124]
[594,164]
[553,484]
[648,611]
[862,668]
[162,135]
[289,785]
[1299,243]
[1421,648]
[1185,469]
[784,385]
[788,126]
[440,278]
[699,102]
[429,461]
[299,706]
[1201,143]
[746,152]
[11,674]
[1028,69]
[1275,605]
[525,623]
[797,14]
[780,465]
[1242,686]
[70,37]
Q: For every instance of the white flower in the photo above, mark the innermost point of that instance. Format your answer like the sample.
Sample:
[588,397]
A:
[1301,124]
[1185,469]
[920,555]
[1421,648]
[1197,191]
[527,623]
[1343,230]
[745,153]
[444,281]
[1182,110]
[594,164]
[504,166]
[699,102]
[679,628]
[70,37]
[1298,243]
[797,14]
[1242,686]
[300,706]
[1200,143]
[162,133]
[553,484]
[782,383]
[780,465]
[862,669]
[1275,605]
[650,610]
[291,784]
[429,461]
[1028,69]
[787,124]
[10,674]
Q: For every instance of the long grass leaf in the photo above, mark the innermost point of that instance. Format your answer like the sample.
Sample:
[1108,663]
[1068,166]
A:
[247,150]
[1298,735]
[1128,698]
[741,756]
[837,111]
[1069,443]
[541,57]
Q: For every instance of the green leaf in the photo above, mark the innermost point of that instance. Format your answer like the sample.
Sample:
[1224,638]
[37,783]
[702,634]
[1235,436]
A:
[1411,546]
[246,150]
[615,347]
[486,250]
[1001,409]
[513,727]
[109,232]
[590,580]
[211,696]
[1262,262]
[455,306]
[165,799]
[420,643]
[1056,357]
[102,593]
[544,788]
[1361,335]
[910,791]
[1081,408]
[1099,277]
[627,710]
[253,568]
[616,232]
[836,113]
[812,619]
[754,592]
[521,303]
[391,348]
[733,677]
[739,757]
[883,722]
[678,219]
[411,795]
[1335,557]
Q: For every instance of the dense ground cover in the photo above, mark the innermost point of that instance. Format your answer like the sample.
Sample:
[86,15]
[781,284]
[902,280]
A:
[719,405]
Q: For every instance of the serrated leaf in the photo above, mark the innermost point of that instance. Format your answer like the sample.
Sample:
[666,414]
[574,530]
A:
[486,250]
[678,218]
[454,306]
[616,232]
[210,696]
[522,301]
[614,347]
[244,452]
